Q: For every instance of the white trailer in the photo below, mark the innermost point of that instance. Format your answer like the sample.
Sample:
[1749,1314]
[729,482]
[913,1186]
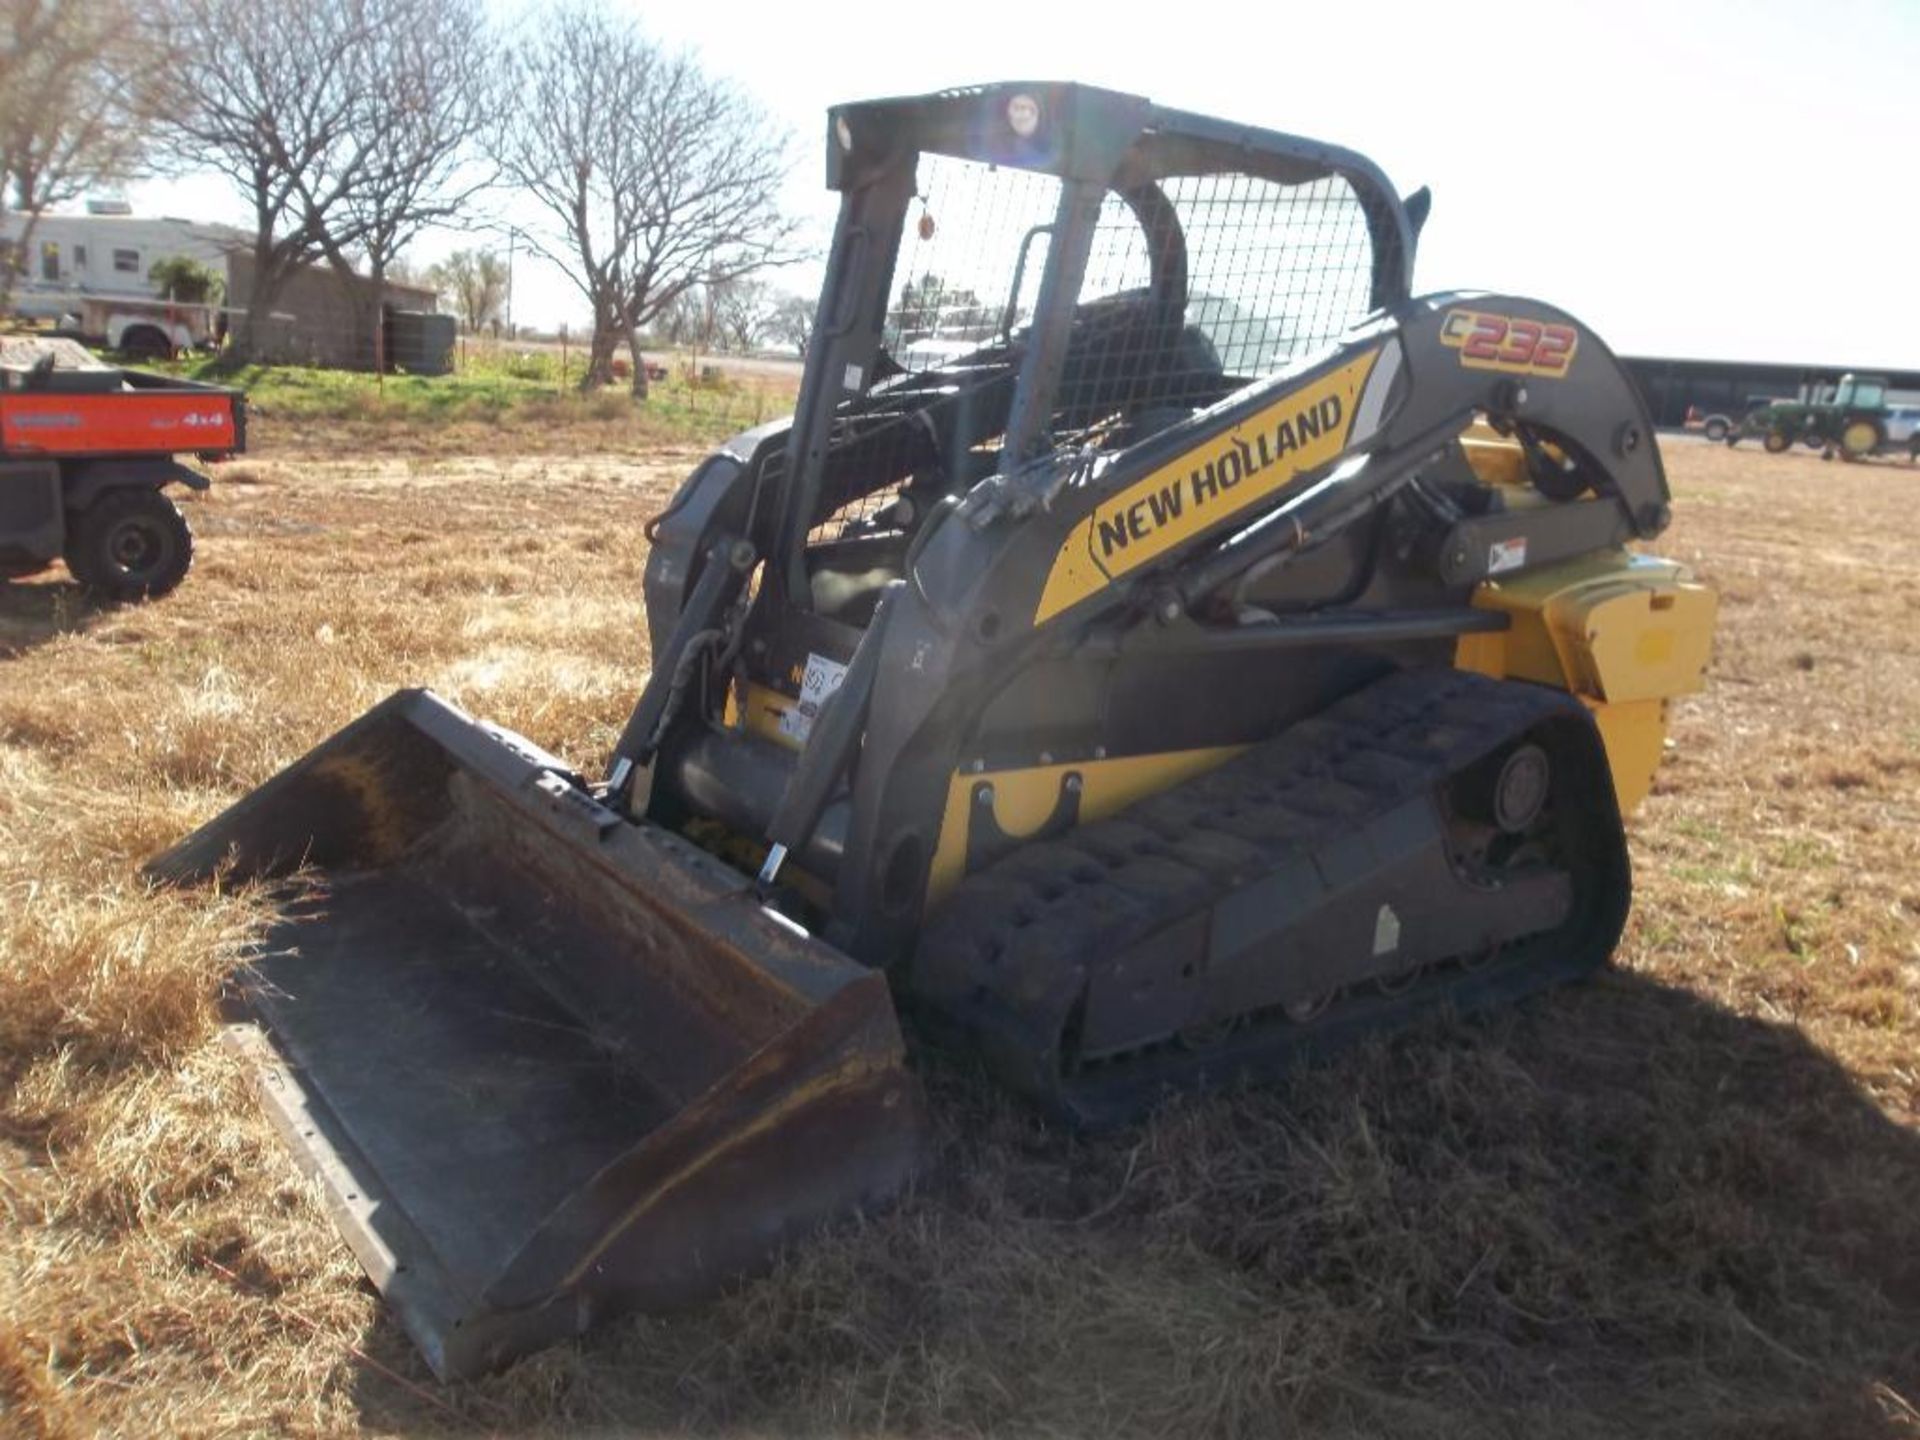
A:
[88,274]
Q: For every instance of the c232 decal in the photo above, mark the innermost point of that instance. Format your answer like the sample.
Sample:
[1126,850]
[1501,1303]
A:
[1505,342]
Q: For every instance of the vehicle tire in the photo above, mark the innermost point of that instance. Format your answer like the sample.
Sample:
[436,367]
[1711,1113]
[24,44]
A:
[130,544]
[1913,450]
[145,342]
[1718,428]
[1815,440]
[1778,442]
[1859,438]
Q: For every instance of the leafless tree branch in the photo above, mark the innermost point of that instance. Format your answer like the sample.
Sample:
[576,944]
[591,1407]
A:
[346,125]
[652,177]
[77,82]
[474,282]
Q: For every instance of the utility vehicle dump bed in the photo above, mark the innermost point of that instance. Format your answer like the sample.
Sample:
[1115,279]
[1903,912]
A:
[57,413]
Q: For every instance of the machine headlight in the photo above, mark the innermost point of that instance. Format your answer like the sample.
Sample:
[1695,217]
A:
[1023,114]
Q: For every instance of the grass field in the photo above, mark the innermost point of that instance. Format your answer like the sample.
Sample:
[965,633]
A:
[1681,1200]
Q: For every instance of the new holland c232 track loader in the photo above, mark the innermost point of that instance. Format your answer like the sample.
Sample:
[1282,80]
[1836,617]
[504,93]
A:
[1158,645]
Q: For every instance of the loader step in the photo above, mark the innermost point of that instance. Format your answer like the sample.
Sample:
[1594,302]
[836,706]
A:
[1314,891]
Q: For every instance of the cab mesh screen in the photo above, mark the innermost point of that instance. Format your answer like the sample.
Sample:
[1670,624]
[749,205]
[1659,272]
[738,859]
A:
[1200,284]
[1195,286]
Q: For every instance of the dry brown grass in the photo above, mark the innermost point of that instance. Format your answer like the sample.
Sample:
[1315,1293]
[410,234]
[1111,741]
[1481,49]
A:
[1681,1200]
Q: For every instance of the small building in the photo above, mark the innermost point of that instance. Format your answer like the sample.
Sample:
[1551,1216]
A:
[321,317]
[89,273]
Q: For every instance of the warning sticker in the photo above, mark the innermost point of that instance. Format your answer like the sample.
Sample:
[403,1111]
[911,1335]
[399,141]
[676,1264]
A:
[1386,931]
[1507,555]
[822,678]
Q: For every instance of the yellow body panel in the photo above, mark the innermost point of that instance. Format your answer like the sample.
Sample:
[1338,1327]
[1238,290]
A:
[1499,460]
[1024,799]
[1635,734]
[1625,633]
[1495,459]
[765,709]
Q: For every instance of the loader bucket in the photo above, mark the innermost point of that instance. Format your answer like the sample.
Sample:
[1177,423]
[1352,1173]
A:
[547,1064]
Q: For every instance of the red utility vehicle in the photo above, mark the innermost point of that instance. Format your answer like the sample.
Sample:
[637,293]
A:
[86,455]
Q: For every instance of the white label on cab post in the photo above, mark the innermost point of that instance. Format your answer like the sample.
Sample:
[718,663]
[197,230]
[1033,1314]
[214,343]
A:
[822,678]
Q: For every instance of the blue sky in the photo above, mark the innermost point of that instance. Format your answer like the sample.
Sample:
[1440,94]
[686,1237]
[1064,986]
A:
[1735,180]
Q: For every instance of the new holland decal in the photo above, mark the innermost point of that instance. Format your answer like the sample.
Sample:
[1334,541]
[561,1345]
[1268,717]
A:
[1301,430]
[1510,344]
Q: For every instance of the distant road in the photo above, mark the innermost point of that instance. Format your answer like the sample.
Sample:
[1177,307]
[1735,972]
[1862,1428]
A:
[776,367]
[785,367]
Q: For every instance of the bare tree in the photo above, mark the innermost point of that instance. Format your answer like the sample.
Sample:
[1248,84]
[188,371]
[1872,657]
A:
[344,123]
[76,83]
[742,311]
[683,320]
[792,321]
[420,84]
[265,95]
[474,282]
[654,177]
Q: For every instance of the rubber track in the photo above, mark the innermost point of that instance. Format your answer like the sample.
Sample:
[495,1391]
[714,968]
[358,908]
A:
[1007,958]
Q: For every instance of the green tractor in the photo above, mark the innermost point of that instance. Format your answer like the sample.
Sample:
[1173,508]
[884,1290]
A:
[1850,417]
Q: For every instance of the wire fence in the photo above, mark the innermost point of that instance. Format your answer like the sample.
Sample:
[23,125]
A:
[561,361]
[704,390]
